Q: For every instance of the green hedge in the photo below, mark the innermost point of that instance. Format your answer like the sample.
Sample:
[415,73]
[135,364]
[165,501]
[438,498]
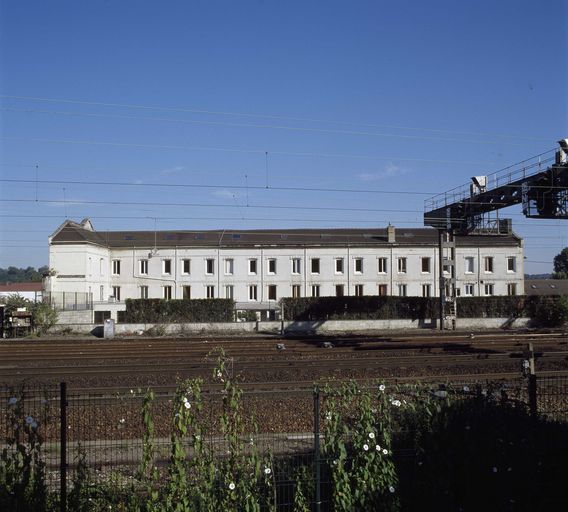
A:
[141,311]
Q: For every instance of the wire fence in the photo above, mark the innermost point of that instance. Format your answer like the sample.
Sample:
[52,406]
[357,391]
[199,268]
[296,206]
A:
[106,432]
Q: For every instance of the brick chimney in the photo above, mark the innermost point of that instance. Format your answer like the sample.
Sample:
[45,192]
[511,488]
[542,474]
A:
[391,237]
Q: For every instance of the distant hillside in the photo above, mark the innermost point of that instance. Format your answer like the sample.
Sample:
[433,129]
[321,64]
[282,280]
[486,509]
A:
[20,275]
[538,276]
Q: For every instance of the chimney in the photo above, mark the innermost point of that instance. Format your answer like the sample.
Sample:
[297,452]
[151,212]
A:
[391,238]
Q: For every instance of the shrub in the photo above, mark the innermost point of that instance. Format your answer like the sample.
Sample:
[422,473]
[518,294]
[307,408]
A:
[178,311]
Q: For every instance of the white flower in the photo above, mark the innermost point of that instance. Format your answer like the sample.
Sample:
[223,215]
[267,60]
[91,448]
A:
[378,447]
[13,401]
[385,451]
[219,374]
[382,387]
[131,391]
[251,441]
[232,486]
[29,420]
[396,403]
[371,435]
[466,389]
[365,447]
[328,416]
[122,420]
[267,471]
[184,400]
[391,489]
[187,405]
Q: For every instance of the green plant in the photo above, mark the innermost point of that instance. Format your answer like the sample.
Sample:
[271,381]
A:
[44,317]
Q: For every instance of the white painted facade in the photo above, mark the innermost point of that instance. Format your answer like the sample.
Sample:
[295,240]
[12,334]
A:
[113,274]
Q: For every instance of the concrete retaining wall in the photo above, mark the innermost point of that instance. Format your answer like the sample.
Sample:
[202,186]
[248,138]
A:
[329,326]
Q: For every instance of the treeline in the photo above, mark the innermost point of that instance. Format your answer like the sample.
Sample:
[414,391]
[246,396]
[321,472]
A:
[20,275]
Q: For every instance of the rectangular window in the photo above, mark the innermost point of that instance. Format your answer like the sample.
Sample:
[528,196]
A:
[115,267]
[167,267]
[229,266]
[102,267]
[512,289]
[315,289]
[382,265]
[229,291]
[469,265]
[253,292]
[315,268]
[296,291]
[116,292]
[271,292]
[143,267]
[402,265]
[186,292]
[272,266]
[101,293]
[469,290]
[358,290]
[167,292]
[511,264]
[358,265]
[489,289]
[426,268]
[402,290]
[252,266]
[143,292]
[209,266]
[383,289]
[426,289]
[339,290]
[489,264]
[210,291]
[339,265]
[185,267]
[296,266]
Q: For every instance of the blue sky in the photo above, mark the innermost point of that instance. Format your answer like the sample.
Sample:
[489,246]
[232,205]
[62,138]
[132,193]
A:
[392,99]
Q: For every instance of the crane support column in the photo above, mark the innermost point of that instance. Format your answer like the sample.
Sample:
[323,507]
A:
[447,273]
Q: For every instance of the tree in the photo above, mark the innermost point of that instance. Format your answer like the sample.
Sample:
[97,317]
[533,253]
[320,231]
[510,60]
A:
[561,264]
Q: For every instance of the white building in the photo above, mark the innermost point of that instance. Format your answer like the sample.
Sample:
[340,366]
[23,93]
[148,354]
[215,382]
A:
[258,267]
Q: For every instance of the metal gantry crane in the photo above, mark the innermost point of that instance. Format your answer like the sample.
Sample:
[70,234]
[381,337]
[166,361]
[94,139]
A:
[539,183]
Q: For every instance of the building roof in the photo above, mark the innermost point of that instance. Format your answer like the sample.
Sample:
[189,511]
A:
[546,286]
[72,233]
[21,287]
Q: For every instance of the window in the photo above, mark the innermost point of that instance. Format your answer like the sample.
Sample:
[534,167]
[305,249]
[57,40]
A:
[186,267]
[271,292]
[296,266]
[383,289]
[252,266]
[253,292]
[511,264]
[143,292]
[469,264]
[339,265]
[296,291]
[272,266]
[426,288]
[339,290]
[489,264]
[101,293]
[143,267]
[426,268]
[358,265]
[210,291]
[102,267]
[167,292]
[116,292]
[382,265]
[229,266]
[167,267]
[402,290]
[469,290]
[358,290]
[489,289]
[229,291]
[115,267]
[402,265]
[315,268]
[512,289]
[186,292]
[209,266]
[315,289]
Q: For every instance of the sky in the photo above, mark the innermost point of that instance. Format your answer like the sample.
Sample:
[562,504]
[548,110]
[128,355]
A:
[147,115]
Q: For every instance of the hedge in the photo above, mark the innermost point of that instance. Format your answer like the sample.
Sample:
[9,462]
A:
[141,311]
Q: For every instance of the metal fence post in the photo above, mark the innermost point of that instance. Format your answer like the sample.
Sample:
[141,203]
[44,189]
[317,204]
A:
[317,468]
[533,405]
[63,441]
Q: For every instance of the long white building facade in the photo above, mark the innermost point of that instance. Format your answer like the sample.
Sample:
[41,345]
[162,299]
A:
[258,267]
